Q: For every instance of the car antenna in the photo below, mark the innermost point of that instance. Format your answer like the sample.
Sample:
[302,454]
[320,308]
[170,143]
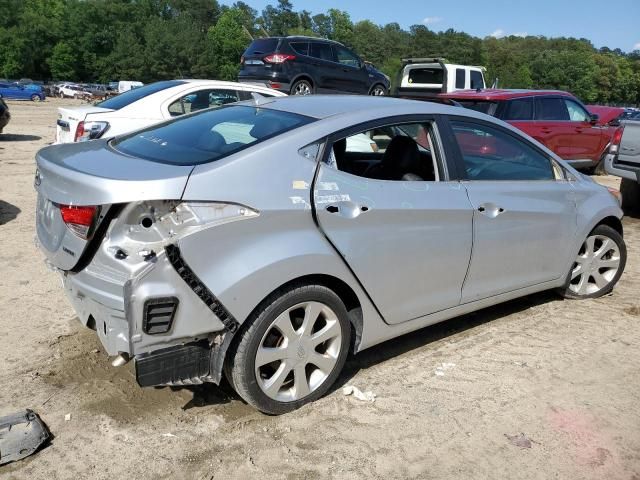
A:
[259,99]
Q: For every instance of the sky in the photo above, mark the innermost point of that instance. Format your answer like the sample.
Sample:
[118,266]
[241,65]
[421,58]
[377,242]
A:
[614,24]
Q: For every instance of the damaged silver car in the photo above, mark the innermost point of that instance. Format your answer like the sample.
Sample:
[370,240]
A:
[249,241]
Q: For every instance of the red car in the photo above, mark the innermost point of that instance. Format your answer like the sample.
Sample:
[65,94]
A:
[556,119]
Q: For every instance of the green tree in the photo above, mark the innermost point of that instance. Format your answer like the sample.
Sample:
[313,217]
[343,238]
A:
[227,42]
[63,61]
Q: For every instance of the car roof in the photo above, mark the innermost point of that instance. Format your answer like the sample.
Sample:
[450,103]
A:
[497,94]
[325,106]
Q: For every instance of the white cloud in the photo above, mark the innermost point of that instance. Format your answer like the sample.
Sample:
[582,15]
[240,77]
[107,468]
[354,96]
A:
[636,46]
[431,20]
[520,34]
[499,33]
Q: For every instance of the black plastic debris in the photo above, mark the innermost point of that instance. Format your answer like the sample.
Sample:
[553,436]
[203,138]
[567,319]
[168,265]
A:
[21,435]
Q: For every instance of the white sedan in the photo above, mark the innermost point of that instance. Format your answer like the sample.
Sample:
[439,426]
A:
[144,106]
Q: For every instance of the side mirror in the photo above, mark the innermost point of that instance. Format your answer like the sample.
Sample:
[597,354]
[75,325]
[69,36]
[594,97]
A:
[594,119]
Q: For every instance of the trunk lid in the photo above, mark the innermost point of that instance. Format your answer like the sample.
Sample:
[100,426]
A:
[93,174]
[68,119]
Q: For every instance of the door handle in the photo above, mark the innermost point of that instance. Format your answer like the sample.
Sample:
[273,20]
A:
[347,209]
[545,130]
[333,209]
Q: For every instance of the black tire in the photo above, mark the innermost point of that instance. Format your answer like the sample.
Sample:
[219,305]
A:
[630,191]
[378,87]
[605,231]
[240,364]
[300,86]
[35,98]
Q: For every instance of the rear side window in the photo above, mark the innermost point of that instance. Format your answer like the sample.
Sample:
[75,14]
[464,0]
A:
[301,48]
[460,78]
[551,109]
[202,99]
[322,51]
[209,135]
[127,98]
[426,75]
[262,46]
[518,109]
[481,106]
[491,154]
[476,80]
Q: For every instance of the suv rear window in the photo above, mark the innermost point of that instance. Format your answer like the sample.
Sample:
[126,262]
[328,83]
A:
[426,75]
[127,98]
[262,46]
[209,135]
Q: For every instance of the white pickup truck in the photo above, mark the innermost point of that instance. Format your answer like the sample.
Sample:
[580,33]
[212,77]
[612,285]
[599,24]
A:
[428,77]
[625,163]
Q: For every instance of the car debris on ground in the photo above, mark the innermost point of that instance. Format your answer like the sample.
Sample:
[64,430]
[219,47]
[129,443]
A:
[21,435]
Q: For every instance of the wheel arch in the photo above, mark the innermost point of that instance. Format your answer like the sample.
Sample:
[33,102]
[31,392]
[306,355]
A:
[377,83]
[304,76]
[613,222]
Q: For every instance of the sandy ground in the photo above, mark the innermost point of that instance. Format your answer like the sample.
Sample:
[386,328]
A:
[566,374]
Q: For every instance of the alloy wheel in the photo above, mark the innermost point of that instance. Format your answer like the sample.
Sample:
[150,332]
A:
[378,91]
[302,88]
[298,351]
[595,266]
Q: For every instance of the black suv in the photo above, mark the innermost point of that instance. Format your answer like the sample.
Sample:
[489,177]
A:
[304,65]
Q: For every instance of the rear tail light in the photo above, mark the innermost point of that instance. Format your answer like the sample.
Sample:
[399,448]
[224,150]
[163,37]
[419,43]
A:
[79,219]
[278,58]
[90,131]
[615,142]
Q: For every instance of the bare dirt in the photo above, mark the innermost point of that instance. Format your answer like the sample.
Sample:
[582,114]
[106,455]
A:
[535,388]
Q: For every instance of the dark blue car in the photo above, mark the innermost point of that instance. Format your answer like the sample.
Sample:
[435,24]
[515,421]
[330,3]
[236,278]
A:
[13,91]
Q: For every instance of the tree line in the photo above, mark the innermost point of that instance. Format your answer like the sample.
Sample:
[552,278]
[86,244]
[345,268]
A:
[149,40]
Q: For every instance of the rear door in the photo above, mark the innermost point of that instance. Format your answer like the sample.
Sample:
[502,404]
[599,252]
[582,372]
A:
[408,242]
[323,61]
[524,216]
[553,125]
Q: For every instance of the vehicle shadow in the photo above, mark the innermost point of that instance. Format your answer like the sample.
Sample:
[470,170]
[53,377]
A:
[8,212]
[17,137]
[419,338]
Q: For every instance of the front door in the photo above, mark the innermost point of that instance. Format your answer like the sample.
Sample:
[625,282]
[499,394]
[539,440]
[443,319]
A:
[407,241]
[524,216]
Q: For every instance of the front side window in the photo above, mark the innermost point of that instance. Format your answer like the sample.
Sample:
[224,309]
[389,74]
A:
[400,152]
[460,78]
[576,112]
[476,80]
[553,109]
[518,109]
[207,98]
[323,51]
[492,154]
[208,135]
[346,57]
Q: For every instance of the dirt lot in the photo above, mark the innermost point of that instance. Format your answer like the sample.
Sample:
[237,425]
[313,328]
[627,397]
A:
[566,374]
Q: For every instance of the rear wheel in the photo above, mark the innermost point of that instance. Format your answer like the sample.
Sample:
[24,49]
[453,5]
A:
[630,191]
[35,98]
[302,87]
[598,265]
[293,350]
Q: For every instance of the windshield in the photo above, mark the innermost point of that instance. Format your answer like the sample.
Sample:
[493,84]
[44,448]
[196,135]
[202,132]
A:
[208,135]
[479,106]
[127,98]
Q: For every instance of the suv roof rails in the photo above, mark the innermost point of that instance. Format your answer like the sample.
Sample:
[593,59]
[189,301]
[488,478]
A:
[307,37]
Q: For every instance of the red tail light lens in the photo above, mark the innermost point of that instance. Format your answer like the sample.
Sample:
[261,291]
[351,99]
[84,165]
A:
[79,219]
[278,58]
[615,141]
[79,131]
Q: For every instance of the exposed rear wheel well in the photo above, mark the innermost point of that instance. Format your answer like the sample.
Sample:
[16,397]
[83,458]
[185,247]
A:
[613,222]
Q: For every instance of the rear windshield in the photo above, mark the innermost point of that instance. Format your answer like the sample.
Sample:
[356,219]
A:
[262,46]
[479,106]
[208,135]
[127,98]
[426,75]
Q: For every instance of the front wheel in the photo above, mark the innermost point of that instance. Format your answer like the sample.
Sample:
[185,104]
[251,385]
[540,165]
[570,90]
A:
[293,350]
[302,87]
[35,98]
[378,91]
[598,266]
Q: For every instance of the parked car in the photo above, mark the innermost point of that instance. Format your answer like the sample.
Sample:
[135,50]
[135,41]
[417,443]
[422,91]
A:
[556,119]
[227,241]
[13,91]
[428,77]
[102,92]
[144,106]
[70,90]
[302,65]
[625,163]
[4,114]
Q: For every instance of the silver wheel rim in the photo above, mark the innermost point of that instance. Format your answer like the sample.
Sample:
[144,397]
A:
[378,92]
[302,88]
[298,351]
[596,265]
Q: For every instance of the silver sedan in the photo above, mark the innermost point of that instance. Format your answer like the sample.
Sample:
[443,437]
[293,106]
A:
[251,241]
